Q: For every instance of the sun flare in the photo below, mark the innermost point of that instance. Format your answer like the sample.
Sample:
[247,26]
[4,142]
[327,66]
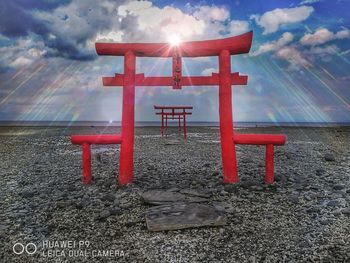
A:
[174,40]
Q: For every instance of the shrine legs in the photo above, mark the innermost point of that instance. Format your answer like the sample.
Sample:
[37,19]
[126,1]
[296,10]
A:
[128,115]
[228,152]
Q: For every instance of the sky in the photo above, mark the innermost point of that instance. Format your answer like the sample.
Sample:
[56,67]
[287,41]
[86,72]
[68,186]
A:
[298,66]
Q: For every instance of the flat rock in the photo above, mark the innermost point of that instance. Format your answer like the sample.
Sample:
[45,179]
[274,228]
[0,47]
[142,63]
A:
[198,193]
[183,215]
[329,157]
[172,142]
[338,187]
[161,197]
[27,194]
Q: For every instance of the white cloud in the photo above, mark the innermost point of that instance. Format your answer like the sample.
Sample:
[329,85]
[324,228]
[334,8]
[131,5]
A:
[209,71]
[285,39]
[293,56]
[204,22]
[271,21]
[308,2]
[20,62]
[323,35]
[159,23]
[112,36]
[325,53]
[328,50]
[211,13]
[238,27]
[21,53]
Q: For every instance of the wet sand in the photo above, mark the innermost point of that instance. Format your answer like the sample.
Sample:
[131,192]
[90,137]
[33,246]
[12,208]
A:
[303,217]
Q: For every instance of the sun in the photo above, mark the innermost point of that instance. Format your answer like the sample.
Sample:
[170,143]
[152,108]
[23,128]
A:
[174,40]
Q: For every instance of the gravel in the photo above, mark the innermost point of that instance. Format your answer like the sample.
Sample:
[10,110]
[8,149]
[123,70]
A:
[303,217]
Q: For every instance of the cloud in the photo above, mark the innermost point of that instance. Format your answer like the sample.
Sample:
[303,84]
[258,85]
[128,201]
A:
[285,39]
[12,26]
[70,30]
[22,52]
[209,71]
[159,23]
[211,13]
[238,27]
[328,50]
[293,56]
[271,21]
[323,35]
[308,2]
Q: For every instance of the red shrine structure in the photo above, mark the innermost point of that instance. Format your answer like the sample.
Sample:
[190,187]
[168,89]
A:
[173,113]
[221,48]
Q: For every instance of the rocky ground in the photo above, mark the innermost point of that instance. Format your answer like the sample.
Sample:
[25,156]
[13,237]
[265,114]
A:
[303,217]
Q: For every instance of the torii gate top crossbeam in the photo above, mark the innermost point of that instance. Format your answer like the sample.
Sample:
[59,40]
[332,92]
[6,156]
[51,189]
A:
[235,45]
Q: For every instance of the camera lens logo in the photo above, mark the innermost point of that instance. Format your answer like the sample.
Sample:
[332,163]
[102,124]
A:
[29,248]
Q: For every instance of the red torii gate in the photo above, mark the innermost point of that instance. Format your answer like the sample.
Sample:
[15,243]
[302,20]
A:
[223,48]
[173,112]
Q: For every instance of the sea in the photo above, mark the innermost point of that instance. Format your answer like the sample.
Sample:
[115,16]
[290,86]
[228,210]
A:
[155,124]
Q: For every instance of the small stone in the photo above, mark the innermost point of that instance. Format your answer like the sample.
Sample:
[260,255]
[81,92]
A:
[108,197]
[329,157]
[313,210]
[346,211]
[172,142]
[231,188]
[325,221]
[115,211]
[104,214]
[223,193]
[294,199]
[215,173]
[61,204]
[333,203]
[27,194]
[338,187]
[98,157]
[320,172]
[257,188]
[337,212]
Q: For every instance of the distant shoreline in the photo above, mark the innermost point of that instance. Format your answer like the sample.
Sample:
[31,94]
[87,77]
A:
[155,124]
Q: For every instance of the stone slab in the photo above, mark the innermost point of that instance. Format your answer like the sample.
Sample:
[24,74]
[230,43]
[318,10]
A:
[183,215]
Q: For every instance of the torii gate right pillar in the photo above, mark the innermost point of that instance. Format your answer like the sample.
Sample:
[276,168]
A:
[228,152]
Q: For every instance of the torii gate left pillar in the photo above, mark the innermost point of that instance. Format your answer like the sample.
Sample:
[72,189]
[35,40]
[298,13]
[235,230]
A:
[128,116]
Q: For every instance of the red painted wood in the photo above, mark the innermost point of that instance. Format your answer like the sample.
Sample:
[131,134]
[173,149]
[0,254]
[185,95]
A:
[269,165]
[234,45]
[174,114]
[128,115]
[86,149]
[171,112]
[96,139]
[177,70]
[228,152]
[143,81]
[172,107]
[260,139]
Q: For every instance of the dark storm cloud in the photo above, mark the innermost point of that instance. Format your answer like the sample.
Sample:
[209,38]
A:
[40,4]
[63,26]
[16,21]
